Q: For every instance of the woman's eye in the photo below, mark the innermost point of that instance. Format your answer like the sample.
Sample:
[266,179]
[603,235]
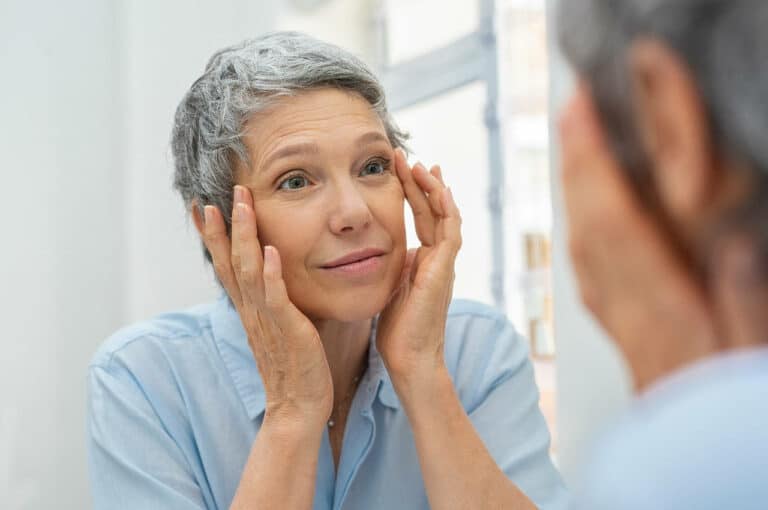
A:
[294,182]
[373,168]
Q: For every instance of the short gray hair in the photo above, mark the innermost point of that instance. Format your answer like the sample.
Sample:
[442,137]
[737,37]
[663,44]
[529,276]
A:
[242,80]
[724,43]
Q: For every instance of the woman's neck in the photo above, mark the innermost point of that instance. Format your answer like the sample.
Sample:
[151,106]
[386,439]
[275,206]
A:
[346,348]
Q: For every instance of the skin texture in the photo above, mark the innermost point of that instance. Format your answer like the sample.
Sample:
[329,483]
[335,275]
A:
[340,190]
[665,281]
[336,211]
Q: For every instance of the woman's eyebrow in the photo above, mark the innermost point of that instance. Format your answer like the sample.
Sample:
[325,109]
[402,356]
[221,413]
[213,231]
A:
[371,137]
[304,148]
[295,149]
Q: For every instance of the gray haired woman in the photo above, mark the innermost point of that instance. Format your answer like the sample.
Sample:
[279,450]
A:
[665,173]
[334,371]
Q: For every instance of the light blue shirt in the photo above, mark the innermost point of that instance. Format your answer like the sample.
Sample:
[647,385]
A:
[698,440]
[176,402]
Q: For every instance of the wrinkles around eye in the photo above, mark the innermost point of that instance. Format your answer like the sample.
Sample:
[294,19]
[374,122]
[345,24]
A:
[287,182]
[298,179]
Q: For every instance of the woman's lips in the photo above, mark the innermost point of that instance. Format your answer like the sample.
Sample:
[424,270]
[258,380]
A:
[358,268]
[355,256]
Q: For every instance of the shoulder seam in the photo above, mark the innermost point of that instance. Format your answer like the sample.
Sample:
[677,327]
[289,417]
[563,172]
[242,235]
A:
[138,335]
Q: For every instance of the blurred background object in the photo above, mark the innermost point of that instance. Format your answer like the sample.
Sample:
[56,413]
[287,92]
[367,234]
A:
[95,238]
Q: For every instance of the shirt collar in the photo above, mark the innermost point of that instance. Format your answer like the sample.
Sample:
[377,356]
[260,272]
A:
[731,364]
[232,344]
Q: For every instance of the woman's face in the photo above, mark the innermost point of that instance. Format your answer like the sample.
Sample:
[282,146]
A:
[326,195]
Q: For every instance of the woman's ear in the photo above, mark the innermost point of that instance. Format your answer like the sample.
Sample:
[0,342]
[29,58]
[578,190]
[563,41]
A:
[197,217]
[675,131]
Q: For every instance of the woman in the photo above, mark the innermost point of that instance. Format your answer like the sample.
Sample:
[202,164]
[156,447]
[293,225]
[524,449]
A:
[665,180]
[333,373]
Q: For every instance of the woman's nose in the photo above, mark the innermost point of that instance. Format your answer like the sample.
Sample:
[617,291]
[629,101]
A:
[351,212]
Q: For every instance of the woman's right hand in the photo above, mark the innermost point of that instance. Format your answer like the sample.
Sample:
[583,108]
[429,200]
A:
[287,347]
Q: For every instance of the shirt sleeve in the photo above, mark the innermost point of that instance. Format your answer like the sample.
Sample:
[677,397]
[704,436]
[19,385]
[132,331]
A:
[502,401]
[134,461]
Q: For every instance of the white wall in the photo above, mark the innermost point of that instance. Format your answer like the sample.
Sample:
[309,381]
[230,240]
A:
[164,48]
[347,23]
[62,256]
[93,236]
[592,383]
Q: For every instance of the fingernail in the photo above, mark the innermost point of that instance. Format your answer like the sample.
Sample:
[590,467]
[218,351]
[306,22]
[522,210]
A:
[270,259]
[240,211]
[239,195]
[207,214]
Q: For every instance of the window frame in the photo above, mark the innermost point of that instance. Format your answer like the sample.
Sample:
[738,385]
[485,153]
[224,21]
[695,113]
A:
[467,60]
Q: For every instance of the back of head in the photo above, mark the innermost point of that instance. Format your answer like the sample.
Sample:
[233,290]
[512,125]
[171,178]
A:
[724,44]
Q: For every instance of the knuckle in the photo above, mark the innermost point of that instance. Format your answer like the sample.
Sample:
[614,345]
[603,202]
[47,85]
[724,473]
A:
[272,300]
[454,242]
[248,273]
[207,239]
[221,268]
[211,237]
[236,261]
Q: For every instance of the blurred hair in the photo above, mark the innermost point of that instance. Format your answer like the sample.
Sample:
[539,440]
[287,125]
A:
[724,44]
[243,80]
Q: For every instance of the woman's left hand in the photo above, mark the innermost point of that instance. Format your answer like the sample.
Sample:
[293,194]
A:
[411,339]
[411,329]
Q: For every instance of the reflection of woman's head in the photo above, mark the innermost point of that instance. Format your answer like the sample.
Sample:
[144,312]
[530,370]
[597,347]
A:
[303,125]
[721,46]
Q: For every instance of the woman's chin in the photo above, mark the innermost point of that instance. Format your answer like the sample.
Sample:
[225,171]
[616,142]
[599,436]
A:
[352,308]
[355,313]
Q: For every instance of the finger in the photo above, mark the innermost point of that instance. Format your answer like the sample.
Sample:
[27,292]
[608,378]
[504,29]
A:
[246,251]
[436,271]
[434,275]
[430,186]
[450,225]
[275,293]
[438,173]
[285,314]
[218,244]
[423,218]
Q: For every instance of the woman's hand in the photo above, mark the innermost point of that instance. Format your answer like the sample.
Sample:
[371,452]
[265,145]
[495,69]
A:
[411,329]
[457,469]
[286,345]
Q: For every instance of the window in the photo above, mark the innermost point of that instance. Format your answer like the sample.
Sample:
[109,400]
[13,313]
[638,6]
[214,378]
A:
[472,91]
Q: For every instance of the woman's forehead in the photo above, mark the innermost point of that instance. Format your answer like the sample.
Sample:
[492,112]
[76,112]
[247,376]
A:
[320,117]
[315,105]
